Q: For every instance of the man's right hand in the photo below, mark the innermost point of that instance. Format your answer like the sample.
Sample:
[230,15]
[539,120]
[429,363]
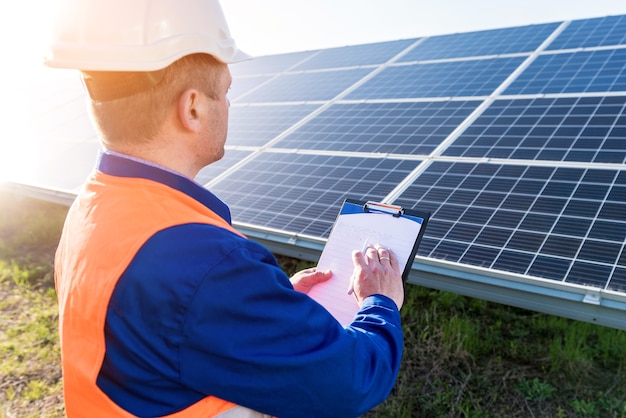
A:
[376,271]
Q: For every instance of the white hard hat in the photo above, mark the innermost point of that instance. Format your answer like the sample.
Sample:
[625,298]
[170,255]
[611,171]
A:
[138,35]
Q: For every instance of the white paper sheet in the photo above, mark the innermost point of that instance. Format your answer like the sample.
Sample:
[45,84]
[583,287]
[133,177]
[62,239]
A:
[349,233]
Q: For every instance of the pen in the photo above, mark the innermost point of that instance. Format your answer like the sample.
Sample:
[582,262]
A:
[365,245]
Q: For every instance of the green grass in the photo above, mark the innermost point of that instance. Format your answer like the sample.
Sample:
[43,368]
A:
[463,357]
[30,374]
[470,358]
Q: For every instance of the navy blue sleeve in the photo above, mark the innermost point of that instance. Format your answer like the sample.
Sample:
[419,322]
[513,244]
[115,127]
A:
[220,317]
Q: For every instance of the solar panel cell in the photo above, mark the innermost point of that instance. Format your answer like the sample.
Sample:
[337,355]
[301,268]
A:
[548,267]
[512,261]
[574,226]
[600,251]
[506,218]
[538,222]
[589,274]
[613,211]
[449,250]
[618,280]
[562,246]
[495,237]
[526,241]
[480,256]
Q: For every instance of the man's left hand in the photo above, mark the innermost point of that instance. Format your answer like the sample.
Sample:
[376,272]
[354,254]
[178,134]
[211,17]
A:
[304,280]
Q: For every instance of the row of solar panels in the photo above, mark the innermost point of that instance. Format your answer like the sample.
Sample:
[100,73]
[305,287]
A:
[576,35]
[514,139]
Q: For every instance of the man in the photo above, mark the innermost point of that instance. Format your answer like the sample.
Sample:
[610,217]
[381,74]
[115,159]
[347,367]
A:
[165,309]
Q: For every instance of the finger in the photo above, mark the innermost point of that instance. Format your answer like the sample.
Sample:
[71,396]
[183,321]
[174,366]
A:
[383,255]
[315,273]
[371,253]
[323,275]
[393,260]
[358,258]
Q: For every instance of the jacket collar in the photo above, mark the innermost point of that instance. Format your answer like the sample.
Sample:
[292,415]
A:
[121,165]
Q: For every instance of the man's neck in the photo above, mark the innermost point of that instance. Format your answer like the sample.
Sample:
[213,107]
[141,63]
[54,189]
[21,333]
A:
[163,158]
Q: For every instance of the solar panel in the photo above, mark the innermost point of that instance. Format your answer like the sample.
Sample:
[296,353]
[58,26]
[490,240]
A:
[270,64]
[257,125]
[490,42]
[549,222]
[213,171]
[514,138]
[242,86]
[398,128]
[300,87]
[301,192]
[443,79]
[578,72]
[602,31]
[585,129]
[358,55]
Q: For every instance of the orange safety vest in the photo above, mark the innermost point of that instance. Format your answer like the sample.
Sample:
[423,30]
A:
[97,244]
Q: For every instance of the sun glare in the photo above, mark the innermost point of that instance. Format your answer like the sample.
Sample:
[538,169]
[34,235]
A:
[24,31]
[14,160]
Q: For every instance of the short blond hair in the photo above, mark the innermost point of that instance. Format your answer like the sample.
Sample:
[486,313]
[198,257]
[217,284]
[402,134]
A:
[137,118]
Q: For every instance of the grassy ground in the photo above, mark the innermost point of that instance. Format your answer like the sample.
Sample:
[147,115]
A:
[463,357]
[30,374]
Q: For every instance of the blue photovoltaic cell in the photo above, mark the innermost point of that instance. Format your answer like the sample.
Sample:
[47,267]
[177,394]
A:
[586,129]
[256,125]
[210,172]
[349,56]
[587,33]
[397,128]
[454,79]
[618,281]
[302,193]
[269,64]
[299,87]
[578,72]
[489,42]
[563,224]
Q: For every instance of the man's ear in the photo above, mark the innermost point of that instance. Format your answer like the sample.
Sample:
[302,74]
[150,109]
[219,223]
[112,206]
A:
[190,110]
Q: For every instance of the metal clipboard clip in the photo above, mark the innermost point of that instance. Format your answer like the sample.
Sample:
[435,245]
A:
[396,211]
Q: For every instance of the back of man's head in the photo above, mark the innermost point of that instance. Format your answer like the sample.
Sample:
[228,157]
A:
[137,118]
[135,56]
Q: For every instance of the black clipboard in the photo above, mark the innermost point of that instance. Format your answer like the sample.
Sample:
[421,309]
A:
[358,224]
